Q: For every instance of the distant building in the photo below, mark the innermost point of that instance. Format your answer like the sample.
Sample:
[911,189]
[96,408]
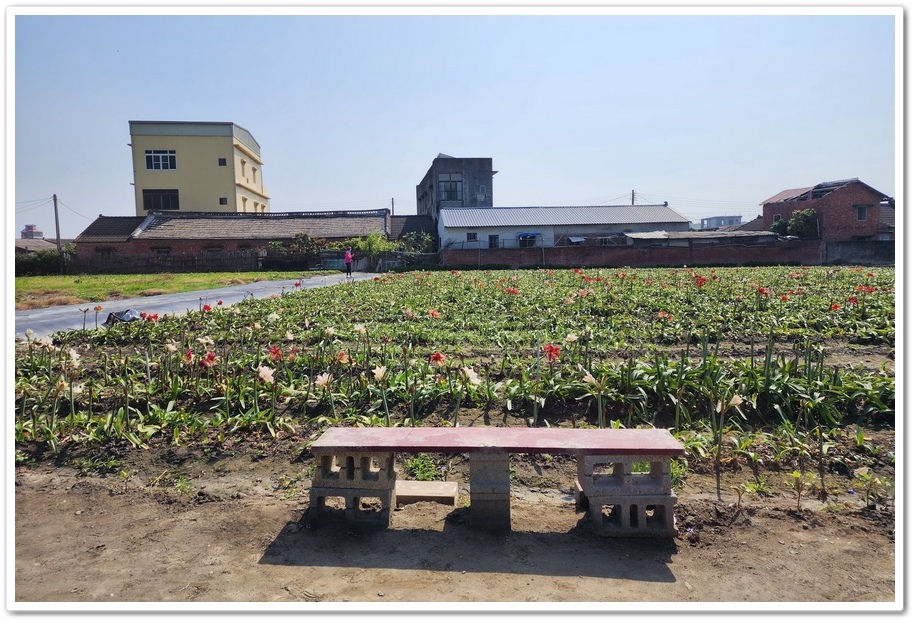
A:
[455,183]
[182,166]
[714,222]
[846,210]
[30,233]
[497,228]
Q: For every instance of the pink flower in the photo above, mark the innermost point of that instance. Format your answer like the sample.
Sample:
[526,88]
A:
[208,360]
[437,359]
[275,353]
[434,313]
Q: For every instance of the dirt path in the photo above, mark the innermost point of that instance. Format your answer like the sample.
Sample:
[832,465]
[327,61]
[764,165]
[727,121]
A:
[240,533]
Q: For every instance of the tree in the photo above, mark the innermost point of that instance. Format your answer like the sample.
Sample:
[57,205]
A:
[780,227]
[418,242]
[803,223]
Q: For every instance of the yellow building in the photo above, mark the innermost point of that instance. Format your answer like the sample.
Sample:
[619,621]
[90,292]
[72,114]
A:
[190,166]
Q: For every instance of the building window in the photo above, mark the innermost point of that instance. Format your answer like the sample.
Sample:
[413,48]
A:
[156,200]
[161,250]
[212,250]
[224,201]
[161,159]
[472,236]
[605,241]
[861,213]
[777,217]
[527,240]
[450,188]
[105,252]
[222,162]
[494,241]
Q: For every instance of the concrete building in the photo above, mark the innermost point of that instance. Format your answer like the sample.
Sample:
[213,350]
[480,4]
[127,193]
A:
[185,166]
[455,183]
[507,228]
[714,222]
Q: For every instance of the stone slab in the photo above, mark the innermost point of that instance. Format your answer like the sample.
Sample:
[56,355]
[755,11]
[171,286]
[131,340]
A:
[410,491]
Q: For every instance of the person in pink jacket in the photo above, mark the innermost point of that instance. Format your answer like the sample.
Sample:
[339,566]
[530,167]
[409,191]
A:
[348,261]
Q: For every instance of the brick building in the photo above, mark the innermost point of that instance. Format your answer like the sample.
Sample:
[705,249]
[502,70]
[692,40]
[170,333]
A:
[847,210]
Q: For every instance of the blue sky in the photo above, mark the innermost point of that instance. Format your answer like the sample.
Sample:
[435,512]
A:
[712,113]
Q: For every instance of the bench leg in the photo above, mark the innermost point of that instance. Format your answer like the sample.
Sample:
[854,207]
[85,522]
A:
[489,476]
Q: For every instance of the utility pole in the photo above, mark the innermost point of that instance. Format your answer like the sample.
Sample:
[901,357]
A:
[56,222]
[392,206]
[632,197]
[60,255]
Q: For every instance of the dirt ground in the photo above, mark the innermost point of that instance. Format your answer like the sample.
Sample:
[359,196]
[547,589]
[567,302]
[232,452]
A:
[238,530]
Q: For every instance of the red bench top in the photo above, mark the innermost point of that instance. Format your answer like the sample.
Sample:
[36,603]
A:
[514,439]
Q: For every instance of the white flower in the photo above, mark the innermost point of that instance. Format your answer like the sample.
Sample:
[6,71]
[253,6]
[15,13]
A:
[289,336]
[205,340]
[74,358]
[256,326]
[588,378]
[28,334]
[266,373]
[379,372]
[272,317]
[360,328]
[171,347]
[470,376]
[323,380]
[330,331]
[571,337]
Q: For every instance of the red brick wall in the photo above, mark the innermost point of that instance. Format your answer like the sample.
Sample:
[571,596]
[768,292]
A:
[836,213]
[806,252]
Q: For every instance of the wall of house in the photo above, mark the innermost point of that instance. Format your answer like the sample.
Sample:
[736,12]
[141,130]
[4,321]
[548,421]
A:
[199,178]
[861,252]
[805,252]
[837,213]
[477,176]
[552,235]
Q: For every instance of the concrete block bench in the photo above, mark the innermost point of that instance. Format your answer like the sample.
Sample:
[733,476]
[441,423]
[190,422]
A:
[623,475]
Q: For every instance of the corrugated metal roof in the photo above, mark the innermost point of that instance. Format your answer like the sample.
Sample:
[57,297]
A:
[269,226]
[559,215]
[698,235]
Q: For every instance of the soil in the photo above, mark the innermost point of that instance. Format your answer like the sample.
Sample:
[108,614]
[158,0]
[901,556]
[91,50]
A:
[182,525]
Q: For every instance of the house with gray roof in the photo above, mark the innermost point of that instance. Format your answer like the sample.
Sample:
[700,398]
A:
[506,228]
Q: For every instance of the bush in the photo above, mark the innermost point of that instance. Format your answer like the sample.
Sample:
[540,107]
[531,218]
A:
[47,262]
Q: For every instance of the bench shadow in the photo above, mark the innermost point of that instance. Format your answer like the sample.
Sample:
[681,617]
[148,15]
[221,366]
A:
[450,543]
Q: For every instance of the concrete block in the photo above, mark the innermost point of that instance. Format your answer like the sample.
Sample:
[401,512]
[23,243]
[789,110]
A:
[352,504]
[410,491]
[641,515]
[353,469]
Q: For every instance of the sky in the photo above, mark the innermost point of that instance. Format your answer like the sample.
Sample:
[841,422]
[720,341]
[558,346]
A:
[713,111]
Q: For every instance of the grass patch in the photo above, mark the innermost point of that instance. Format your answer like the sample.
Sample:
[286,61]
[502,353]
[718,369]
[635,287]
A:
[57,290]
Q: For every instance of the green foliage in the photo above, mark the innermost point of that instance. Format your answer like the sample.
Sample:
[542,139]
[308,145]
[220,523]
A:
[803,223]
[418,242]
[780,227]
[422,467]
[44,262]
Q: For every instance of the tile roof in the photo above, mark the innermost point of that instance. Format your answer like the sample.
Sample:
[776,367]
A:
[110,229]
[401,225]
[817,191]
[36,244]
[268,226]
[559,215]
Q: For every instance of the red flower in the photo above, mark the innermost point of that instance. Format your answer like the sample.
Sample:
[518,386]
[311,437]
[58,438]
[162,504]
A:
[551,351]
[784,297]
[208,360]
[834,307]
[853,300]
[152,317]
[275,353]
[207,307]
[511,291]
[219,302]
[437,359]
[434,313]
[188,356]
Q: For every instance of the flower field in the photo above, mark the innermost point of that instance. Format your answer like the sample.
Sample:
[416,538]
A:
[735,361]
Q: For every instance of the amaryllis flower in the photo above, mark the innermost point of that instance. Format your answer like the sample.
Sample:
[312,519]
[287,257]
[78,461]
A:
[854,300]
[379,372]
[437,359]
[360,328]
[289,336]
[330,331]
[551,351]
[208,360]
[323,380]
[219,302]
[188,356]
[266,373]
[588,378]
[275,353]
[98,308]
[74,358]
[834,307]
[434,313]
[171,347]
[571,337]
[205,340]
[207,307]
[343,357]
[470,376]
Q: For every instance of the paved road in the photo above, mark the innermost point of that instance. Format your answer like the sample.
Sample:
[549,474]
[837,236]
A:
[46,321]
